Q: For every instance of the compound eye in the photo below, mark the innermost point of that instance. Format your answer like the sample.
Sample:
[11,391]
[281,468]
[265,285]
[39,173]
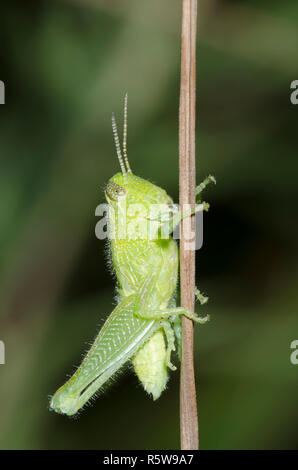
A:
[114,191]
[173,208]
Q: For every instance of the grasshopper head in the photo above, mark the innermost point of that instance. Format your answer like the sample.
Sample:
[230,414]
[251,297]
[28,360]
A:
[135,190]
[137,207]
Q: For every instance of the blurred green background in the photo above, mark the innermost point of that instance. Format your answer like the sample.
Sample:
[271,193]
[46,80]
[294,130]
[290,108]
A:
[66,66]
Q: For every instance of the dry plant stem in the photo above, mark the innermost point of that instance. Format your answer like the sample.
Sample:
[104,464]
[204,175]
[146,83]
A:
[187,175]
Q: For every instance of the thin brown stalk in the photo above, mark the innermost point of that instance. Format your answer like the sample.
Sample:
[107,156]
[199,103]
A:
[187,180]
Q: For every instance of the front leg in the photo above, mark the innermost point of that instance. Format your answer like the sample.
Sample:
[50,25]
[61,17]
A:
[202,186]
[167,227]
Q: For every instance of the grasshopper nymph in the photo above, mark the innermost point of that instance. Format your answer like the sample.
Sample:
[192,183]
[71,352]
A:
[143,326]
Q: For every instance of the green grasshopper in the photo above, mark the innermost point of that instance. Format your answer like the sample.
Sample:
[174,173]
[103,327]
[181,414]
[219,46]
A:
[143,326]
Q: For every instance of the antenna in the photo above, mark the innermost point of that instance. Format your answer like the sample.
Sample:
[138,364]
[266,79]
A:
[125,135]
[117,143]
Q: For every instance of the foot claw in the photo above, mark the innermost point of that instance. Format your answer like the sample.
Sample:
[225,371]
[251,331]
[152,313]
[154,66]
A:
[204,319]
[201,298]
[171,366]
